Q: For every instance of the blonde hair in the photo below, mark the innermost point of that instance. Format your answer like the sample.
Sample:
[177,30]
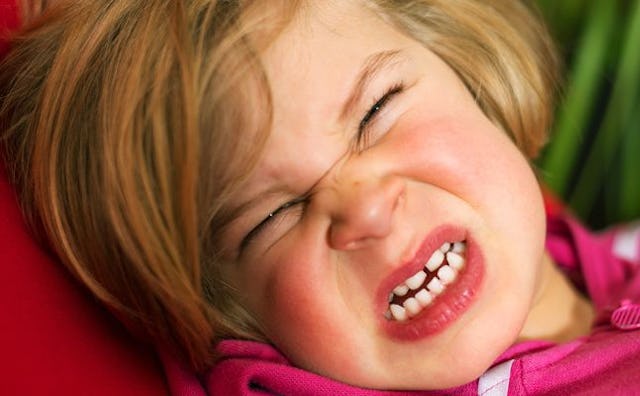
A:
[502,52]
[126,130]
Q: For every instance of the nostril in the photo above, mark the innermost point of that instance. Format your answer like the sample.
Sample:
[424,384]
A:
[340,239]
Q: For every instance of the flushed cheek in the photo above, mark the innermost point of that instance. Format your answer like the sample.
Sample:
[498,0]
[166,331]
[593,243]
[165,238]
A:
[470,158]
[453,151]
[304,314]
[474,161]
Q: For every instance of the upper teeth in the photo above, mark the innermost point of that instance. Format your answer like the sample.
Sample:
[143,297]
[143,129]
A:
[401,290]
[435,260]
[416,281]
[445,274]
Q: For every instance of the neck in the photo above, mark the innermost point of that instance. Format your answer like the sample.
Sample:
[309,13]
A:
[559,312]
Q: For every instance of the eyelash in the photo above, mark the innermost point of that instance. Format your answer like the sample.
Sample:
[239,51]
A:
[361,141]
[369,117]
[267,220]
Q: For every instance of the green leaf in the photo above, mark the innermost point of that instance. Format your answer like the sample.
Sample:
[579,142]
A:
[610,137]
[585,81]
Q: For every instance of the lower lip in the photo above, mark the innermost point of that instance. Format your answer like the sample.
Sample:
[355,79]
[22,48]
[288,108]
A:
[445,308]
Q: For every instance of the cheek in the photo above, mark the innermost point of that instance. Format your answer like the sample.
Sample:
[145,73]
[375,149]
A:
[473,160]
[300,304]
[293,299]
[476,163]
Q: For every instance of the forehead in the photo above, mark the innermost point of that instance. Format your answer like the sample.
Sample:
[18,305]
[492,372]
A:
[323,37]
[311,68]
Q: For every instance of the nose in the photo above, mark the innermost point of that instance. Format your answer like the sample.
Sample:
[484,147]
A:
[364,211]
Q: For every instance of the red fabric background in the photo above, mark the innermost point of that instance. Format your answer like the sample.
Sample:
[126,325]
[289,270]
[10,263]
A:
[54,338]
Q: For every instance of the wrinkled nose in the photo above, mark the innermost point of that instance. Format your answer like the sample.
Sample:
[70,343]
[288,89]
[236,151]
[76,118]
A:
[364,211]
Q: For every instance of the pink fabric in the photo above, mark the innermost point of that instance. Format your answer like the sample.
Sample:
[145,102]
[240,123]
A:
[180,380]
[605,362]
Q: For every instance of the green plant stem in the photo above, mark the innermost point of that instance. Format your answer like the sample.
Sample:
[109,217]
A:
[577,107]
[629,203]
[618,114]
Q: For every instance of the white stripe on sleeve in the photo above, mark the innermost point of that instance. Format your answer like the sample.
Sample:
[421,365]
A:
[626,243]
[495,381]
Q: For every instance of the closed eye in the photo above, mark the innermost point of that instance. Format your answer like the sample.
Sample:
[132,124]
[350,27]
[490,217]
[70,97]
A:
[370,116]
[362,138]
[269,221]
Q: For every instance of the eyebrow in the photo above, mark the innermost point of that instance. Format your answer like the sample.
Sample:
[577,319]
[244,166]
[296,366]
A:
[372,66]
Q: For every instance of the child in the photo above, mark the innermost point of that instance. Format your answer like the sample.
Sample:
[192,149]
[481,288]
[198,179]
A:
[348,182]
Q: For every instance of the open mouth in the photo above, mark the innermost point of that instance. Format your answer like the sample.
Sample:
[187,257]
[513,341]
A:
[419,291]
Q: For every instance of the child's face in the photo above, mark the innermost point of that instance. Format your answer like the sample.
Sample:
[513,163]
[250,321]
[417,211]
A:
[358,219]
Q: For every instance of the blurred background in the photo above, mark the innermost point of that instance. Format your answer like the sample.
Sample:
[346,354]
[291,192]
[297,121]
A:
[593,160]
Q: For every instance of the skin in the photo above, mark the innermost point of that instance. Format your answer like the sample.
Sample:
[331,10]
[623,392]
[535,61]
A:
[311,276]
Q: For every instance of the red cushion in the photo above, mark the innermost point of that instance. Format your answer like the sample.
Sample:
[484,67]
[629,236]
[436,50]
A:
[55,339]
[9,21]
